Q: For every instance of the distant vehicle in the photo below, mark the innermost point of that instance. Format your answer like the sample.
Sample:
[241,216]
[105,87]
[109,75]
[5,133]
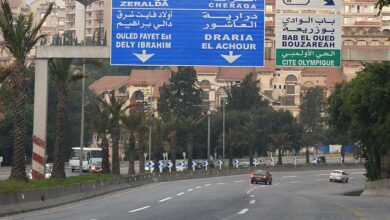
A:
[261,176]
[91,156]
[338,176]
[48,170]
[318,160]
[97,168]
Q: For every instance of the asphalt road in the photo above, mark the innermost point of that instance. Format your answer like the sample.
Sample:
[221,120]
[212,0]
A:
[293,195]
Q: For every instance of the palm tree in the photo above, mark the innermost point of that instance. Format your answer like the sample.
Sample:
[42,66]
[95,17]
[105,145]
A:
[173,125]
[100,124]
[250,132]
[20,36]
[62,75]
[142,138]
[132,122]
[280,141]
[190,124]
[115,107]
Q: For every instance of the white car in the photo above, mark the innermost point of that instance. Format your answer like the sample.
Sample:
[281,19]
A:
[338,176]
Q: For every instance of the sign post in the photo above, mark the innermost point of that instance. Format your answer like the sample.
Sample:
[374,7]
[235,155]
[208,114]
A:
[170,164]
[188,33]
[237,162]
[220,163]
[256,162]
[206,164]
[160,166]
[193,165]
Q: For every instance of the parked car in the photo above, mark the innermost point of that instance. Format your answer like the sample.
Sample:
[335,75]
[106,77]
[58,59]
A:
[261,176]
[318,160]
[338,176]
[96,168]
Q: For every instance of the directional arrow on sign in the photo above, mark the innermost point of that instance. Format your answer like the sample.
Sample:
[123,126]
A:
[230,58]
[329,2]
[143,57]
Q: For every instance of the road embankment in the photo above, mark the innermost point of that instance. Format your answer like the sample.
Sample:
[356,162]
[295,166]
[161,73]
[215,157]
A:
[378,188]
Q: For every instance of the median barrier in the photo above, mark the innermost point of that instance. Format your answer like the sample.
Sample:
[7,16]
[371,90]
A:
[29,200]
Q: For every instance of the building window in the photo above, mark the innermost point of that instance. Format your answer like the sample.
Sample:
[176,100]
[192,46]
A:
[290,89]
[274,86]
[362,43]
[348,43]
[289,100]
[205,95]
[268,43]
[375,43]
[386,43]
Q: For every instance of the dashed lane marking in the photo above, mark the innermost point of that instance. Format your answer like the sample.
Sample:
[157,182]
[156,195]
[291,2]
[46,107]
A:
[323,174]
[321,179]
[295,181]
[220,183]
[198,187]
[358,172]
[136,210]
[179,194]
[276,184]
[190,190]
[163,200]
[289,176]
[239,181]
[243,211]
[252,196]
[207,185]
[252,202]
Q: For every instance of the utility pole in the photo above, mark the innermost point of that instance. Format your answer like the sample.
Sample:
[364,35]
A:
[208,135]
[223,130]
[85,3]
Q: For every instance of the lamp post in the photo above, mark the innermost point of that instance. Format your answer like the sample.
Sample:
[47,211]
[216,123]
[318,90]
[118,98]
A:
[85,3]
[223,130]
[150,141]
[208,135]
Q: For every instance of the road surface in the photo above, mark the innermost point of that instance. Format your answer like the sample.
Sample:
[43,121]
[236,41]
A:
[293,195]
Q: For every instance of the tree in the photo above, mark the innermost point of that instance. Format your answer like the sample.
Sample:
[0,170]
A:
[20,36]
[279,129]
[245,95]
[115,107]
[182,97]
[250,132]
[310,116]
[365,102]
[132,122]
[190,124]
[381,4]
[100,124]
[62,75]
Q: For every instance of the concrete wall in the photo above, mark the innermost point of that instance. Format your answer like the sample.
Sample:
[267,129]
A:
[379,188]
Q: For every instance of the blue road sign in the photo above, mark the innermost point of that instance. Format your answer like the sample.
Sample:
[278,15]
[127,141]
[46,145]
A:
[188,32]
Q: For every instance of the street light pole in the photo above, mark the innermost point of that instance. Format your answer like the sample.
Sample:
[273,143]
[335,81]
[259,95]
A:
[150,141]
[85,3]
[208,135]
[223,130]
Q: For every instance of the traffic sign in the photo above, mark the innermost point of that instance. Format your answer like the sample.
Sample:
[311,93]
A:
[256,162]
[308,40]
[308,4]
[160,164]
[150,164]
[220,162]
[177,32]
[170,164]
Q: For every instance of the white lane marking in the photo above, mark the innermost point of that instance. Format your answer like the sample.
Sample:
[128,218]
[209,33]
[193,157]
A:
[323,174]
[207,185]
[190,190]
[198,187]
[243,211]
[295,181]
[136,210]
[239,181]
[163,200]
[289,176]
[276,184]
[262,186]
[252,196]
[321,179]
[220,183]
[255,187]
[179,194]
[252,202]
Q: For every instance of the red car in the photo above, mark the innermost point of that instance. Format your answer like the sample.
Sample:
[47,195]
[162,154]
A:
[261,176]
[96,168]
